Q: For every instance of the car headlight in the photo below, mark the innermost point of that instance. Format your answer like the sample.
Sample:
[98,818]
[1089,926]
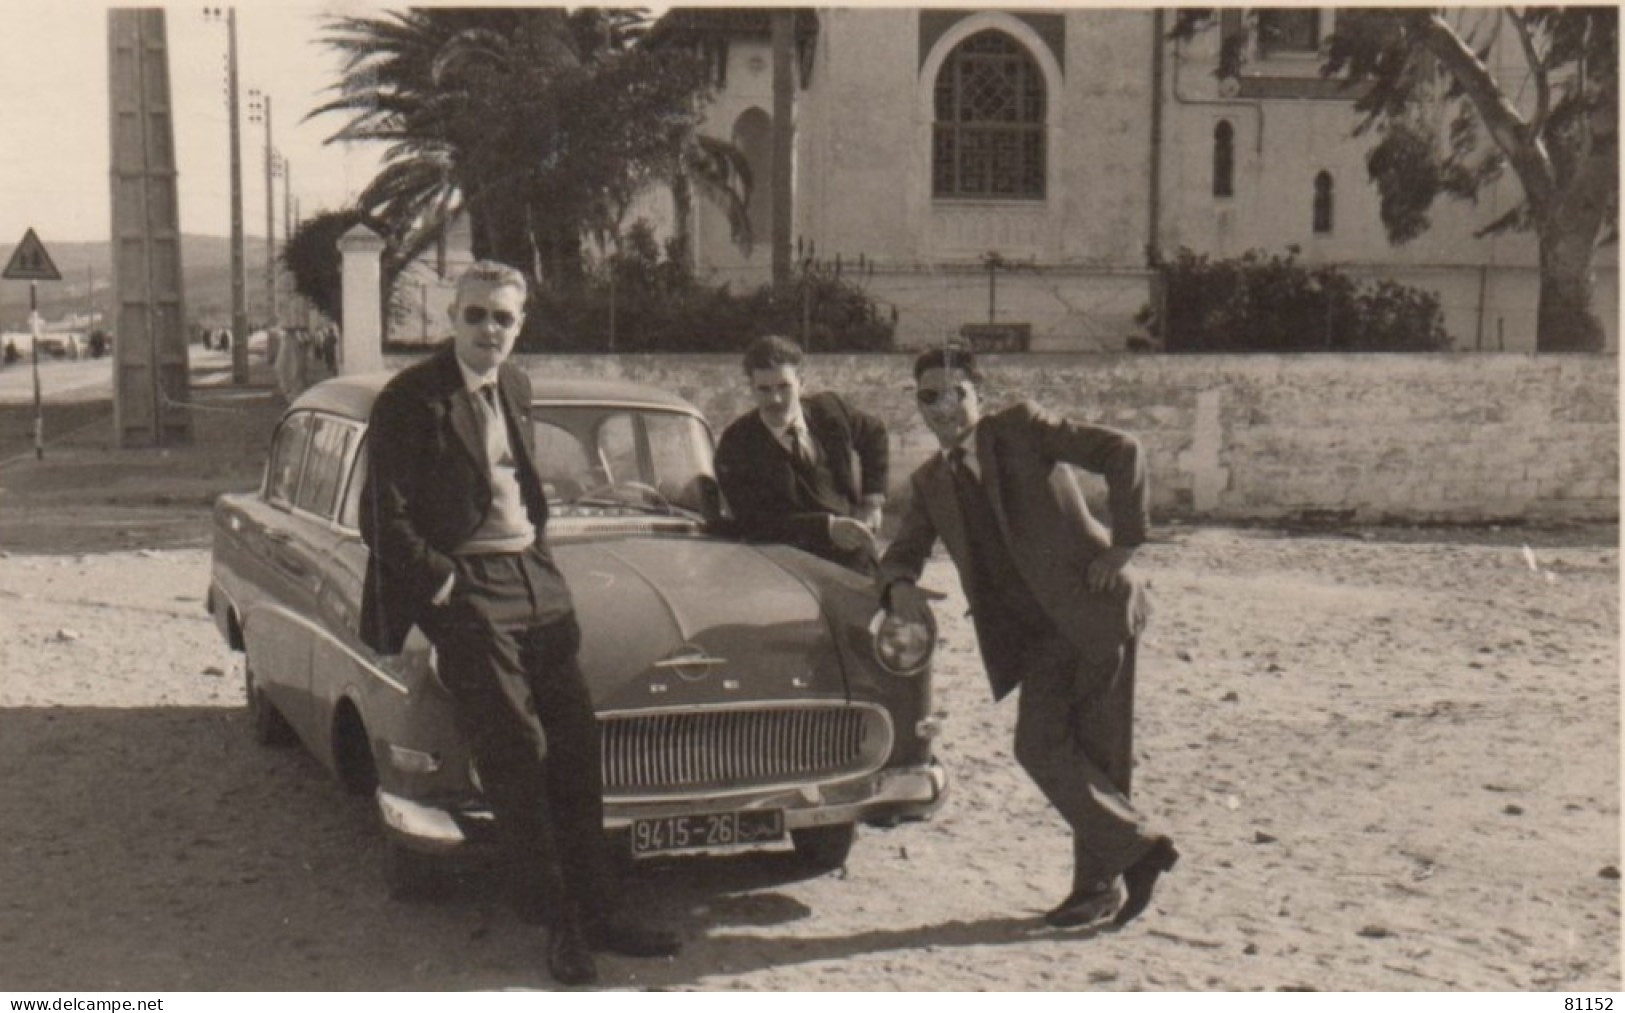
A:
[902,647]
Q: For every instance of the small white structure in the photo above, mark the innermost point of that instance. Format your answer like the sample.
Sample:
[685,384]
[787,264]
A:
[361,341]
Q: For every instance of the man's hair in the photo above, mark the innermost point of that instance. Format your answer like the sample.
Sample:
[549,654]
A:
[771,352]
[948,357]
[493,273]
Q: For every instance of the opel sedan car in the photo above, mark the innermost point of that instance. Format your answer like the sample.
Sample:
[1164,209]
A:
[746,693]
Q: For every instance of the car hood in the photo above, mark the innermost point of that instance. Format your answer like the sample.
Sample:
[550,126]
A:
[684,621]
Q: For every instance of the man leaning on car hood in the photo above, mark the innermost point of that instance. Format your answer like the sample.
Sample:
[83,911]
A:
[455,515]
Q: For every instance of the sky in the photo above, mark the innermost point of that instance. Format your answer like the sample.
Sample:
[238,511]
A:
[53,116]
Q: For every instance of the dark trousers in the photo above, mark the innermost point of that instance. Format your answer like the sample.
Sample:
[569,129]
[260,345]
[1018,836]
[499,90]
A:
[1074,737]
[507,646]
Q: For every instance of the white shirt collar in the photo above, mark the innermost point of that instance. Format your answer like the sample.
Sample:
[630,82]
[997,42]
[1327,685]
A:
[972,462]
[782,433]
[472,380]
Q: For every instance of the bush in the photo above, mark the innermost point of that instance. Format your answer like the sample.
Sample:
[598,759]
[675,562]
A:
[657,306]
[1256,303]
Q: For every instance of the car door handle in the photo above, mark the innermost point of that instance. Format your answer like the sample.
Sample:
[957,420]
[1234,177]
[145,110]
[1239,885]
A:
[278,536]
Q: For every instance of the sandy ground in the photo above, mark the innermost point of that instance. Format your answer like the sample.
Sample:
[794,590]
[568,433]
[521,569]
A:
[1390,759]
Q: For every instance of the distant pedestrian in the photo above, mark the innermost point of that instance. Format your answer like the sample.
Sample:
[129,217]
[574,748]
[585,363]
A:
[293,365]
[329,348]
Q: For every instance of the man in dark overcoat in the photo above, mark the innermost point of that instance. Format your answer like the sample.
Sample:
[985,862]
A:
[454,513]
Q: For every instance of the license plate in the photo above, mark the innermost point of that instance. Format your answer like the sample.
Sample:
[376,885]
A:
[708,830]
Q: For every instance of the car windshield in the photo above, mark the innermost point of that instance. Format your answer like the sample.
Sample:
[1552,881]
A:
[606,458]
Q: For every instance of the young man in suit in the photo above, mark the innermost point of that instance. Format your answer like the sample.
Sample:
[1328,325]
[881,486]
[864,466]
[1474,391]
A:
[456,519]
[1055,607]
[786,468]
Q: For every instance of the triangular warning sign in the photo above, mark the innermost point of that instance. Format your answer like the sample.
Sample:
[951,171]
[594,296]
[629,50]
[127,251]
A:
[30,262]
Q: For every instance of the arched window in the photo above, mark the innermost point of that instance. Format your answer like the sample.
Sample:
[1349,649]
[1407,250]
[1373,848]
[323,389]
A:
[1224,160]
[989,131]
[1323,202]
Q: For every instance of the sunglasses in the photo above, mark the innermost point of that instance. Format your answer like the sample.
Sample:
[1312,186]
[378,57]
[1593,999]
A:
[477,315]
[931,395]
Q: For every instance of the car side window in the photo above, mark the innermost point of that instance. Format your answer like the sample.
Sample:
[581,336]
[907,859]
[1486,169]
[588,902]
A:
[324,466]
[350,512]
[288,454]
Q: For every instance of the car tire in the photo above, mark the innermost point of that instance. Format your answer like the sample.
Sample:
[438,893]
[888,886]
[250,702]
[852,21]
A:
[824,848]
[268,725]
[411,876]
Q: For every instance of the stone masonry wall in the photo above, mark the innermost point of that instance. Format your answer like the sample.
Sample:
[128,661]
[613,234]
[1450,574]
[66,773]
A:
[1366,438]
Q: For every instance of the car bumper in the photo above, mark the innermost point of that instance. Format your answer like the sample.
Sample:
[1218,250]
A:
[887,796]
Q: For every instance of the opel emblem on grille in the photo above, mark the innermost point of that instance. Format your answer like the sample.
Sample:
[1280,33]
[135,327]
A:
[690,662]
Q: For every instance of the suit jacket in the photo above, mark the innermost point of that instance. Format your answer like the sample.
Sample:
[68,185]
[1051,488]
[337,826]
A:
[1042,517]
[770,502]
[428,486]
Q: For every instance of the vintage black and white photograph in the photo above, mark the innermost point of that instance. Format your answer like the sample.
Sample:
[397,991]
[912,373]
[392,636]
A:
[720,498]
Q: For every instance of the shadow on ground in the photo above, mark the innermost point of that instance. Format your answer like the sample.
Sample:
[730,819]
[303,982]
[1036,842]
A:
[208,862]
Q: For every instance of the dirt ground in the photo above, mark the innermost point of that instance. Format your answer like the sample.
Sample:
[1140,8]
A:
[1390,758]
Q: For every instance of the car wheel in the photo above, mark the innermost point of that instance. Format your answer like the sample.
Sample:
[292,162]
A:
[269,727]
[824,848]
[411,876]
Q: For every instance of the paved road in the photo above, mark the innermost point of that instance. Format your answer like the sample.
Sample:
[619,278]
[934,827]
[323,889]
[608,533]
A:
[69,380]
[60,380]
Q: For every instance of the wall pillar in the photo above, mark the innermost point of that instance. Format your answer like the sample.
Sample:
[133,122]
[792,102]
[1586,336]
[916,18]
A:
[361,342]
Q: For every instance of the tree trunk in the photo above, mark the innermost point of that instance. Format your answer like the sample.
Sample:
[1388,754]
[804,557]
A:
[783,140]
[1566,322]
[1568,245]
[558,245]
[682,199]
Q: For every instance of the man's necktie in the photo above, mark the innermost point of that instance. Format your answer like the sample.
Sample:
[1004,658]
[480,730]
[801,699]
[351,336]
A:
[798,447]
[959,468]
[497,447]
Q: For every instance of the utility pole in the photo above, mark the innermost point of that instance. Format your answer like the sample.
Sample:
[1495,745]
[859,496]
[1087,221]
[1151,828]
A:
[239,301]
[287,199]
[259,107]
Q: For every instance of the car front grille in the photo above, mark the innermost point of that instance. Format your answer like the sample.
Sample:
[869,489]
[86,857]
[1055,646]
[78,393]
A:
[683,751]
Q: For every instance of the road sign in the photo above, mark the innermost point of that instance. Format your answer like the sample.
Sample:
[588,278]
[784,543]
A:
[30,262]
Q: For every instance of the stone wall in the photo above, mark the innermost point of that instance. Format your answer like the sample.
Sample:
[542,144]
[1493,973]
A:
[1368,438]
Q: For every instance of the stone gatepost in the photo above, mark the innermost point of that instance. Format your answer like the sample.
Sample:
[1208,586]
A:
[361,348]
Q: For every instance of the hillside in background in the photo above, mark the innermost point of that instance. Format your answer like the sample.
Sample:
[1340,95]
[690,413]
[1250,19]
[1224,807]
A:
[87,280]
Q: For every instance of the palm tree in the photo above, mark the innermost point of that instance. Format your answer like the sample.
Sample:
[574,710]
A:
[411,80]
[536,124]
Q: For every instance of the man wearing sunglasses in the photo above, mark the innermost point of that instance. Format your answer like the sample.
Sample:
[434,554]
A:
[787,467]
[454,513]
[1055,606]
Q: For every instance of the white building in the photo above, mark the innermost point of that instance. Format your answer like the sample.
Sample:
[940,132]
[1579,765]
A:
[1065,143]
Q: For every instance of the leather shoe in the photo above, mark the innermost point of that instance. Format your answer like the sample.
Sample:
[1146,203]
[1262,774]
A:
[1141,878]
[628,938]
[568,958]
[1085,905]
